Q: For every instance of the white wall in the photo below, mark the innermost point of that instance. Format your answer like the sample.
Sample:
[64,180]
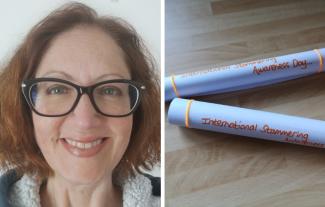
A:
[17,17]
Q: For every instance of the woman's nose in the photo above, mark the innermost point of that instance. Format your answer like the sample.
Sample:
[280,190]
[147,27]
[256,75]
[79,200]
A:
[85,114]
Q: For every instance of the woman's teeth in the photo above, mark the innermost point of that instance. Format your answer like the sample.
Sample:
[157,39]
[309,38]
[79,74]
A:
[82,145]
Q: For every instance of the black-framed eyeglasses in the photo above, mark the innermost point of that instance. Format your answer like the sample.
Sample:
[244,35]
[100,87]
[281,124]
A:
[53,97]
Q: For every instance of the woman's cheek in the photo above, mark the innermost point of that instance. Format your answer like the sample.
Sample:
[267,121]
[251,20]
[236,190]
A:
[46,131]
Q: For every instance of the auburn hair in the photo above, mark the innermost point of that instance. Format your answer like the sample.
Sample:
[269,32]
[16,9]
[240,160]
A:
[18,147]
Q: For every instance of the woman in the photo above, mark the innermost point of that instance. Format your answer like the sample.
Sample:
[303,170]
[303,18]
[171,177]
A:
[79,115]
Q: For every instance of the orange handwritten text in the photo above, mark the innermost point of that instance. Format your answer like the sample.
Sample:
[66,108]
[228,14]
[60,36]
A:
[302,64]
[211,70]
[226,124]
[252,63]
[273,67]
[290,136]
[288,133]
[303,142]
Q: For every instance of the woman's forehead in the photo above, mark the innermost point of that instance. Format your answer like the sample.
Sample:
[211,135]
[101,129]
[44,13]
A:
[84,52]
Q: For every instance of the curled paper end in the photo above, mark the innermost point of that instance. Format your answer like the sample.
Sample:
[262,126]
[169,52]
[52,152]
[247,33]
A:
[321,55]
[169,90]
[187,113]
[177,111]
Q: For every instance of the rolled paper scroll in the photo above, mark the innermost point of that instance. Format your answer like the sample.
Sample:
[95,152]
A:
[247,122]
[245,75]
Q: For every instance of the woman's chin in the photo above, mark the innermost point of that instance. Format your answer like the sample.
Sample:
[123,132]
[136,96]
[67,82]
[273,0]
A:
[86,178]
[84,166]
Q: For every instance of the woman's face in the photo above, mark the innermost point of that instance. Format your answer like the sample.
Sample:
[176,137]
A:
[83,55]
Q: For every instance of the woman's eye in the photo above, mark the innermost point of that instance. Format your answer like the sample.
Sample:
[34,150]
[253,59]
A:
[57,90]
[112,91]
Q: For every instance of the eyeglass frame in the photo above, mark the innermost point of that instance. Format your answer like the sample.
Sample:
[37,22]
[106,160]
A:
[81,90]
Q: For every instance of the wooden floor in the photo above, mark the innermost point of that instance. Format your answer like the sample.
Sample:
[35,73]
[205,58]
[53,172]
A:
[214,169]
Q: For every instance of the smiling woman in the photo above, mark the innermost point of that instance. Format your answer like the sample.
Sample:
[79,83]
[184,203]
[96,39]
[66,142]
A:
[79,115]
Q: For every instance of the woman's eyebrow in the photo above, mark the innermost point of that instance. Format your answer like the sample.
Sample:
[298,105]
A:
[111,75]
[61,73]
[102,77]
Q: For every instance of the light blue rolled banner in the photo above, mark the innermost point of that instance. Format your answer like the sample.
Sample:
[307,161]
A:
[245,75]
[247,122]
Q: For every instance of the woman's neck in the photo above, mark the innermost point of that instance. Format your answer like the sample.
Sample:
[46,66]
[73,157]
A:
[59,192]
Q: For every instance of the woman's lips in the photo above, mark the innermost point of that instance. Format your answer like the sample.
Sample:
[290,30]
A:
[83,148]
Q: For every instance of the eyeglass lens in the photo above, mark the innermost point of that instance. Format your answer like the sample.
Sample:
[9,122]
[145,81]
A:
[55,98]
